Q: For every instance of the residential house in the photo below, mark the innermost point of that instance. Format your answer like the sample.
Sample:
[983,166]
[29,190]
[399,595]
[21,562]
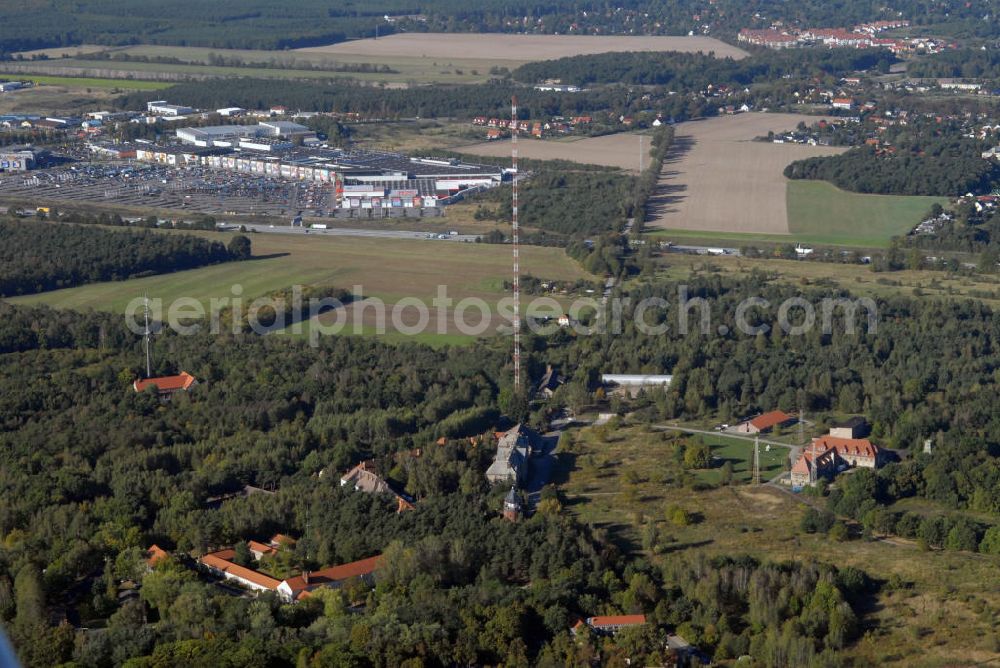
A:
[167,385]
[366,478]
[154,555]
[550,382]
[764,423]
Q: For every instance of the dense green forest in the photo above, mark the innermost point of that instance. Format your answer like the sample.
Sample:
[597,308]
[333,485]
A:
[443,101]
[693,71]
[864,170]
[38,256]
[93,472]
[257,24]
[566,203]
[961,63]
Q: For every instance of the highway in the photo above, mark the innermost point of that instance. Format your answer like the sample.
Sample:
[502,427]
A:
[355,232]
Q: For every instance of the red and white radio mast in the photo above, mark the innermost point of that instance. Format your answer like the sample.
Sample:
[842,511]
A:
[516,244]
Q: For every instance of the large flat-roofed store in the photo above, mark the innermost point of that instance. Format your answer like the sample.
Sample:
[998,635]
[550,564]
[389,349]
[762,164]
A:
[363,179]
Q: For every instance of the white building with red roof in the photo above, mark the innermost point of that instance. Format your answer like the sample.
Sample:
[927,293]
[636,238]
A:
[299,587]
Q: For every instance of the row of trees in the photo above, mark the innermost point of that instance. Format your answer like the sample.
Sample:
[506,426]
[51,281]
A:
[948,173]
[36,257]
[695,71]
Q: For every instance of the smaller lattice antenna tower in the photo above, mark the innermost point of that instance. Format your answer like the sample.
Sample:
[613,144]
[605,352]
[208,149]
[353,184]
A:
[147,332]
[802,425]
[516,245]
[756,460]
[812,464]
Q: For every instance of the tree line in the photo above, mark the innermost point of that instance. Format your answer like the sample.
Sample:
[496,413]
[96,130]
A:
[695,71]
[37,256]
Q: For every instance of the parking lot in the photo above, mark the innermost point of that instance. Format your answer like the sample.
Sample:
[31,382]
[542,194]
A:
[190,188]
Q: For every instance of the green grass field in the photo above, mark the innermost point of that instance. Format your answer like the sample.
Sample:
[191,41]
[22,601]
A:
[387,269]
[195,61]
[860,280]
[820,213]
[90,82]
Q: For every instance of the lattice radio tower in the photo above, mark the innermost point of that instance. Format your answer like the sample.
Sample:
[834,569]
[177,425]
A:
[756,460]
[145,337]
[516,244]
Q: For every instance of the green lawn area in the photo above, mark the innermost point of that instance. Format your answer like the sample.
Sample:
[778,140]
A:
[88,82]
[740,452]
[387,269]
[818,212]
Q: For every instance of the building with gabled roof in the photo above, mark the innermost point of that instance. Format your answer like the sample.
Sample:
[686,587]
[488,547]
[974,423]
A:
[827,455]
[299,587]
[155,554]
[167,385]
[764,422]
[366,478]
[510,465]
[221,564]
[609,624]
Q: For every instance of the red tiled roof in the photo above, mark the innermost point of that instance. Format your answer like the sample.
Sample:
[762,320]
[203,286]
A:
[768,420]
[155,554]
[182,381]
[260,547]
[617,620]
[220,562]
[333,574]
[858,447]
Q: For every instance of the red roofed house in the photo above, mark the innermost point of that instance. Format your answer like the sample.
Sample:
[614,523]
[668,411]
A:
[220,563]
[829,454]
[610,624]
[298,587]
[365,478]
[764,423]
[154,555]
[167,385]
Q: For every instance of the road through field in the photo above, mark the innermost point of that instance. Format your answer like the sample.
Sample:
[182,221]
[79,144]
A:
[498,46]
[716,178]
